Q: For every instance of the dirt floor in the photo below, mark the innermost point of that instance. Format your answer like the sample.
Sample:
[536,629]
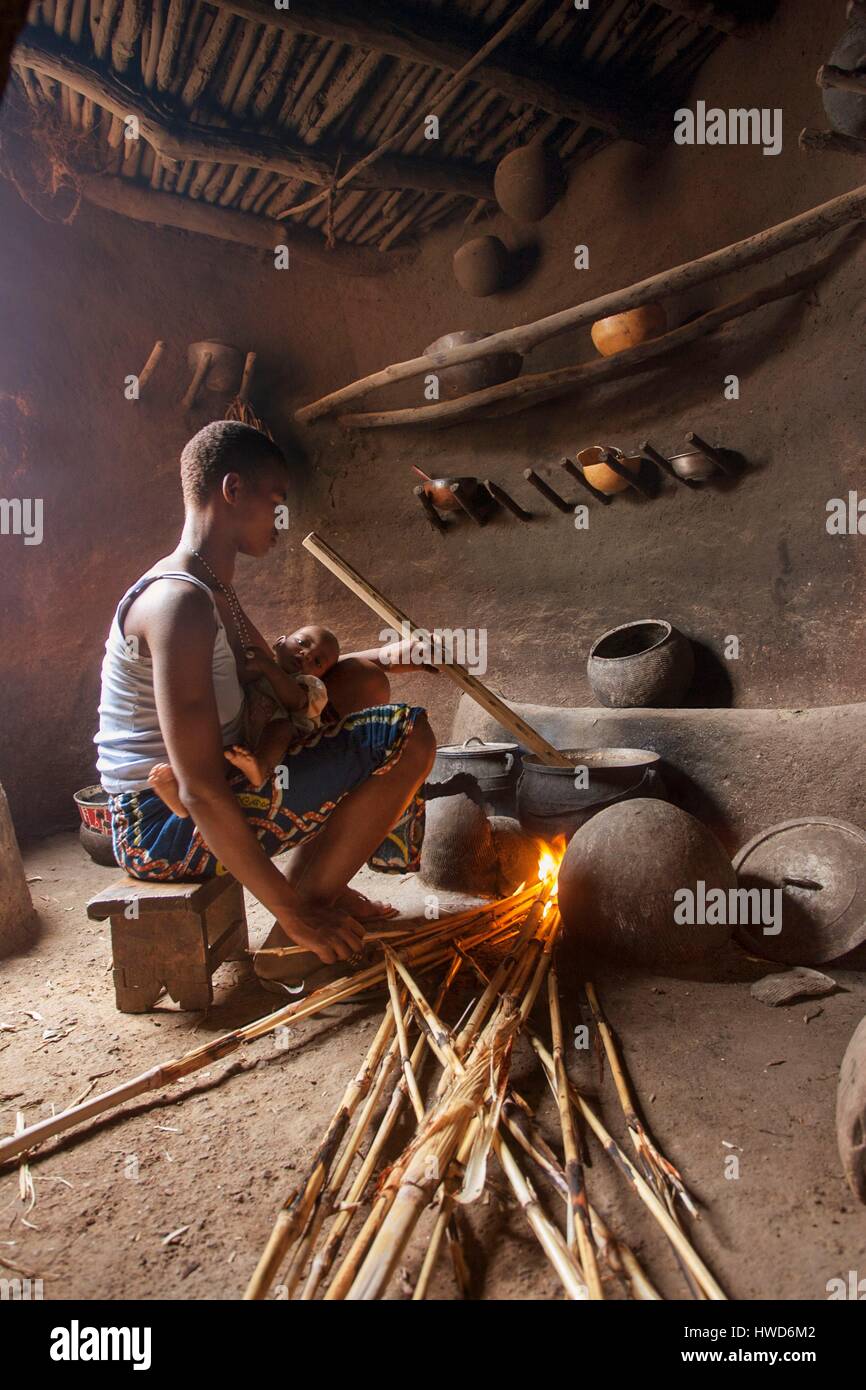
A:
[174,1197]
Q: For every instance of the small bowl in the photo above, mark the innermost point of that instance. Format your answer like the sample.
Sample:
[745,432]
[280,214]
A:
[597,473]
[693,466]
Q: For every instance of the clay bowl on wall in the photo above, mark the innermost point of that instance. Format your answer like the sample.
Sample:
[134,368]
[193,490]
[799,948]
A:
[528,182]
[647,663]
[480,265]
[465,377]
[621,331]
[597,473]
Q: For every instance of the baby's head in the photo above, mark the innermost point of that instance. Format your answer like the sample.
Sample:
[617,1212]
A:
[311,650]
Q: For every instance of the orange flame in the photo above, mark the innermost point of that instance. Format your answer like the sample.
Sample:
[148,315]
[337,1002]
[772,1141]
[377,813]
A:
[549,859]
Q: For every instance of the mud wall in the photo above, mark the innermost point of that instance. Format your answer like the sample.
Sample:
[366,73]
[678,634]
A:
[83,304]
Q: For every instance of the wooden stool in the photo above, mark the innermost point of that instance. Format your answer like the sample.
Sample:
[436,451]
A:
[172,936]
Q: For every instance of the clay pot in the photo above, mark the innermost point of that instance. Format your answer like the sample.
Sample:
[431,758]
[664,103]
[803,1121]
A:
[621,331]
[528,182]
[480,265]
[94,831]
[619,877]
[597,472]
[553,801]
[648,663]
[466,377]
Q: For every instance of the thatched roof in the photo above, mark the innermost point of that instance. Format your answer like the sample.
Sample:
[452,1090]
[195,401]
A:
[246,107]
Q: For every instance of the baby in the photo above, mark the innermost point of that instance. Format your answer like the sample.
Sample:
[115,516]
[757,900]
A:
[285,699]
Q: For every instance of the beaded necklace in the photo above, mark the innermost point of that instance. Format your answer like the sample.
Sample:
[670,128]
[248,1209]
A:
[231,596]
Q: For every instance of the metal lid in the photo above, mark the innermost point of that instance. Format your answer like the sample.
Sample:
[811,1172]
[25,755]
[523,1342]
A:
[475,747]
[820,865]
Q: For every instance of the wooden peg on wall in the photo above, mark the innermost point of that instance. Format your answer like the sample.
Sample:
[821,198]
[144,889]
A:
[151,364]
[506,500]
[429,510]
[660,461]
[580,477]
[247,378]
[626,474]
[714,456]
[547,491]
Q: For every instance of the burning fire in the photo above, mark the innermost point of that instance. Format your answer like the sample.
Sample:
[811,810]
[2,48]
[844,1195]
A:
[549,860]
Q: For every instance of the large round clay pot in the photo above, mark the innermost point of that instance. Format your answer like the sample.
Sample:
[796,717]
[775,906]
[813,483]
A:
[627,330]
[621,882]
[597,473]
[528,182]
[480,265]
[466,377]
[850,1112]
[647,663]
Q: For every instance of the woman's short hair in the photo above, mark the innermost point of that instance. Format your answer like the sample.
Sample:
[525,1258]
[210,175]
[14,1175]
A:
[225,446]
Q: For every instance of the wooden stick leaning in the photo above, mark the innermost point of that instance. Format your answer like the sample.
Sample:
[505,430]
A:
[815,222]
[324,1257]
[296,1209]
[531,388]
[657,1169]
[578,1225]
[459,674]
[431,952]
[659,1211]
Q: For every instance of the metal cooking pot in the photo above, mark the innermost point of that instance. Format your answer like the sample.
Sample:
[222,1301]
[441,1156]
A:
[493,765]
[555,801]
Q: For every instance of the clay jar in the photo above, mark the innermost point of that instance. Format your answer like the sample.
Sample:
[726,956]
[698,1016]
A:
[528,182]
[641,664]
[480,265]
[620,879]
[465,377]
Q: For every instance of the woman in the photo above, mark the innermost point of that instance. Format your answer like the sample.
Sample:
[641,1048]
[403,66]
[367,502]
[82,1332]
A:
[172,692]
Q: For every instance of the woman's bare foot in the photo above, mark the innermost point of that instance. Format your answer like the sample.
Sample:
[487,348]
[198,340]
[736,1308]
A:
[162,780]
[364,909]
[247,763]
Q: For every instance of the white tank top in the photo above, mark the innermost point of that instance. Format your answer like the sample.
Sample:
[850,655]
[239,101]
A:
[129,740]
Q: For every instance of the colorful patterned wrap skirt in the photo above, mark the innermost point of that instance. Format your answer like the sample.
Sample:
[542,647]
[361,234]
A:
[320,768]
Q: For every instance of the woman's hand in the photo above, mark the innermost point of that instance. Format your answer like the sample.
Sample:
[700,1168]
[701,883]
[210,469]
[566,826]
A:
[331,934]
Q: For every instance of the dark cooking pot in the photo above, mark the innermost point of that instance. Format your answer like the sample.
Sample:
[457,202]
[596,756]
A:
[493,765]
[557,801]
[641,664]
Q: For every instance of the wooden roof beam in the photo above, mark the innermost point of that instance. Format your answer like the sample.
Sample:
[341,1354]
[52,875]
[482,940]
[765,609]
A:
[129,199]
[374,24]
[177,139]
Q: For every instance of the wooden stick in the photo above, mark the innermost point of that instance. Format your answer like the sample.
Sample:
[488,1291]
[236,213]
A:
[460,676]
[127,199]
[433,41]
[527,390]
[246,379]
[167,1073]
[830,142]
[579,1231]
[176,140]
[675,1235]
[837,212]
[297,1208]
[506,500]
[151,364]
